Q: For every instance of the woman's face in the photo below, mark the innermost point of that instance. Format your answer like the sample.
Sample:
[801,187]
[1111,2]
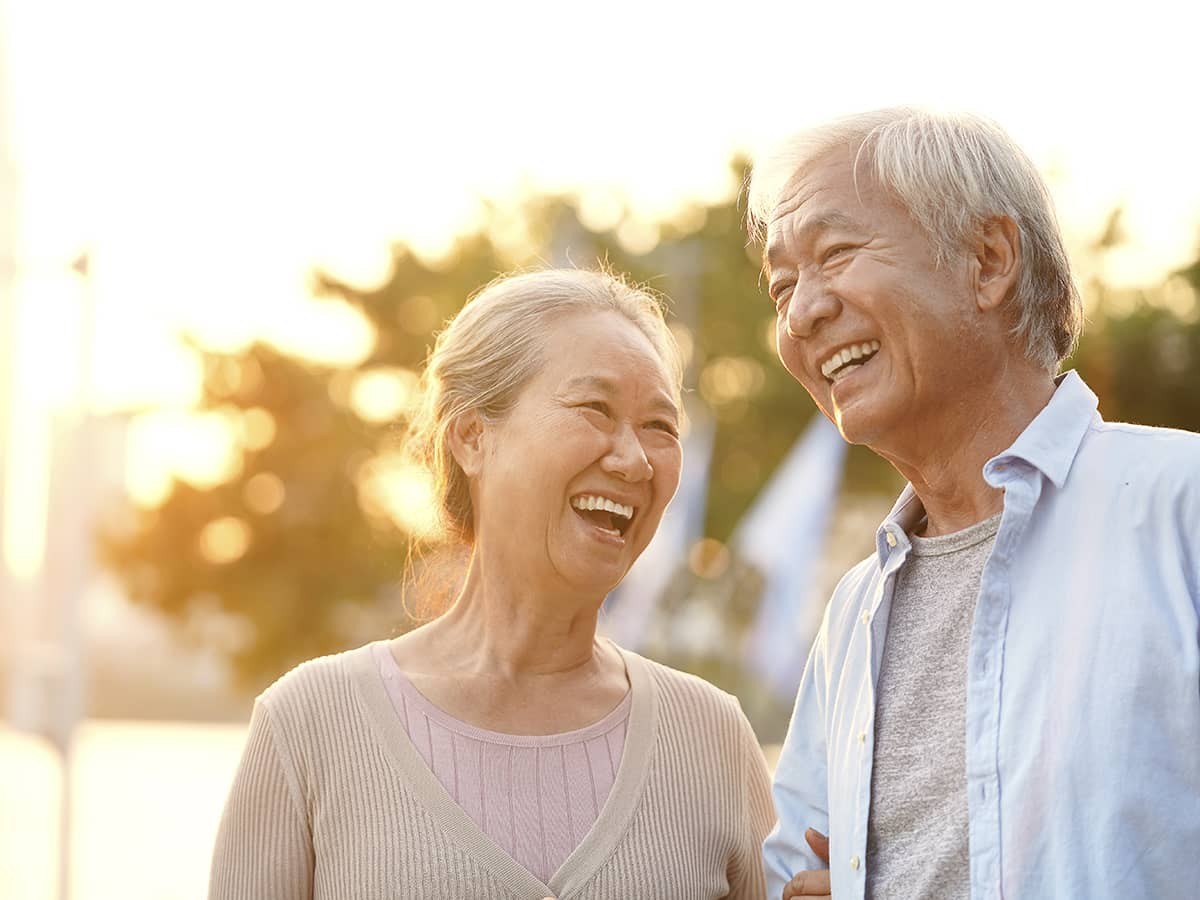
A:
[596,430]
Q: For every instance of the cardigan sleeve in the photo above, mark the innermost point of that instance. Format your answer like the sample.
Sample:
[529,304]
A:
[264,843]
[746,877]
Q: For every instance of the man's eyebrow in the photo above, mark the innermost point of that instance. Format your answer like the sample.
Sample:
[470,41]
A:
[810,228]
[609,388]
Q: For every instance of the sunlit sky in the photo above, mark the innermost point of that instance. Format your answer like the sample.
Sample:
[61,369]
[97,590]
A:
[208,156]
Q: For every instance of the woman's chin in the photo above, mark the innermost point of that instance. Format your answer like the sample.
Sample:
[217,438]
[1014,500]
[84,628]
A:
[591,581]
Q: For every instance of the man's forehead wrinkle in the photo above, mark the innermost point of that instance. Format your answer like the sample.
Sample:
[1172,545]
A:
[829,220]
[808,228]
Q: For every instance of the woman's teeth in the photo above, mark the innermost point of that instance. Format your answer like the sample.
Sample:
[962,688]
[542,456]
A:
[835,367]
[590,501]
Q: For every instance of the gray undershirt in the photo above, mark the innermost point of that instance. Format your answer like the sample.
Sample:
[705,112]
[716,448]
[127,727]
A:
[917,830]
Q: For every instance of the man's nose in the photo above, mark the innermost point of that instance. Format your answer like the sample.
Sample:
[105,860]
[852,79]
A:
[626,457]
[811,304]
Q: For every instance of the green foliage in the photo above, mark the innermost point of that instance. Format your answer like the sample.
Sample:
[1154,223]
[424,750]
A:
[324,569]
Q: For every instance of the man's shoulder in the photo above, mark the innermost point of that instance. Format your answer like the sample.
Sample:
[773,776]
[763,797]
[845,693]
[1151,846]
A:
[1164,457]
[1131,435]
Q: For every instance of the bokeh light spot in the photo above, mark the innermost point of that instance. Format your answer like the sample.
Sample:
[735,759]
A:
[708,558]
[730,378]
[382,395]
[224,540]
[257,428]
[264,493]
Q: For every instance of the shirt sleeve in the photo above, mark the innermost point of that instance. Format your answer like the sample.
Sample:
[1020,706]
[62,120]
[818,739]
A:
[264,843]
[800,788]
[758,815]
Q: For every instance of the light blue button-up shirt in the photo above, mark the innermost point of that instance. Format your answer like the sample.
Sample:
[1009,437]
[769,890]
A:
[1083,676]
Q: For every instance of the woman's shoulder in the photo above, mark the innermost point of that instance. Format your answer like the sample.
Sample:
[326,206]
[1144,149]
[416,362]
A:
[696,720]
[685,693]
[323,683]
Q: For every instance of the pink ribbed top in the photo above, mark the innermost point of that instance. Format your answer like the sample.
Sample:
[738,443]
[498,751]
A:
[535,796]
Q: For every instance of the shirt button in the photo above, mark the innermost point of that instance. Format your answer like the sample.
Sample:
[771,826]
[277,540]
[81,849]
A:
[891,539]
[854,863]
[862,737]
[866,618]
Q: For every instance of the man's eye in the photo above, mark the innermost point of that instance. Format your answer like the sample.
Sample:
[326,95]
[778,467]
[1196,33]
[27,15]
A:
[596,405]
[664,425]
[835,251]
[780,295]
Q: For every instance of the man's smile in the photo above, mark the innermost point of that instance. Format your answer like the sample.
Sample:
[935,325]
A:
[846,359]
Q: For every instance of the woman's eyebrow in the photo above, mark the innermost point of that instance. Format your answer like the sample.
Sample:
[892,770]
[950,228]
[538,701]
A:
[608,387]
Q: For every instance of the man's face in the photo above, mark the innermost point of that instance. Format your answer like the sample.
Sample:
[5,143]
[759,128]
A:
[883,339]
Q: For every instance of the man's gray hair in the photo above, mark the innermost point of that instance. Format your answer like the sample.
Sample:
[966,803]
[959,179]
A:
[952,173]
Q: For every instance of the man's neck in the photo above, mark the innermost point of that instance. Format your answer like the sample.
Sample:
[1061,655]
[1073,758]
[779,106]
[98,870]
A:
[946,467]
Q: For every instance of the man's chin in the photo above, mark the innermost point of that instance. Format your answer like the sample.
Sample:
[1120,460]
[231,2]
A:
[856,426]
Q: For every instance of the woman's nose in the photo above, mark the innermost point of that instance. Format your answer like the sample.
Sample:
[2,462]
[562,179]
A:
[627,458]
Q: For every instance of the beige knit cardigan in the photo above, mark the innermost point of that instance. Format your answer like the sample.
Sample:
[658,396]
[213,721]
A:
[332,801]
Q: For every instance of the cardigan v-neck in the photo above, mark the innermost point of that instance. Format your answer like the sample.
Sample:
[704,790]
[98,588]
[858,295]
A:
[612,821]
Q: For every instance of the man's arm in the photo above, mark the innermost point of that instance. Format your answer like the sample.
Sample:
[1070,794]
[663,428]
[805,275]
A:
[800,786]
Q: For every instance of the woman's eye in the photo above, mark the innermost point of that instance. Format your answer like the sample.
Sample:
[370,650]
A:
[664,425]
[596,406]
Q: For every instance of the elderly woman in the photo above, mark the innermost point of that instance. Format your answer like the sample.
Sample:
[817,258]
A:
[503,749]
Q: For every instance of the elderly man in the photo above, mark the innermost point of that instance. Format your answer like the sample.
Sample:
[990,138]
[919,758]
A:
[1004,698]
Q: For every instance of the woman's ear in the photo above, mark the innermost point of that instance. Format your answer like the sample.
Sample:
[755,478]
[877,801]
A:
[466,442]
[998,257]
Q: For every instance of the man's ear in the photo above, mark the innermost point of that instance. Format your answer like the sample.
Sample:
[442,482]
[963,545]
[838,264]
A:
[466,442]
[998,260]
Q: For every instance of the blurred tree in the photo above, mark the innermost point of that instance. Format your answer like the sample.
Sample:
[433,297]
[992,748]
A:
[1145,363]
[1140,351]
[299,551]
[302,551]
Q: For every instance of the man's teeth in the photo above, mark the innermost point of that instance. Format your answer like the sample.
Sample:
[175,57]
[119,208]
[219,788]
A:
[590,501]
[847,355]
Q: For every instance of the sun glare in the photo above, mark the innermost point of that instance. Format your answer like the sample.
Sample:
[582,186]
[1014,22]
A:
[402,493]
[382,395]
[199,448]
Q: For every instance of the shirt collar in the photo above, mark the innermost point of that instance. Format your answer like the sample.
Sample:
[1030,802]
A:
[1049,444]
[905,516]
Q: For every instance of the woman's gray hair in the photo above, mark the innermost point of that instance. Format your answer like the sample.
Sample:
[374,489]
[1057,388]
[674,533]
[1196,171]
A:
[489,351]
[952,173]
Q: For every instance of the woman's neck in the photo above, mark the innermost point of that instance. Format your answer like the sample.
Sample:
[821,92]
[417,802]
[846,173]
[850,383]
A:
[509,628]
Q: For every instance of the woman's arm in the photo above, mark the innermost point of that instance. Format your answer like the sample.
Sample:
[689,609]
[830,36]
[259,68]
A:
[746,881]
[264,844]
